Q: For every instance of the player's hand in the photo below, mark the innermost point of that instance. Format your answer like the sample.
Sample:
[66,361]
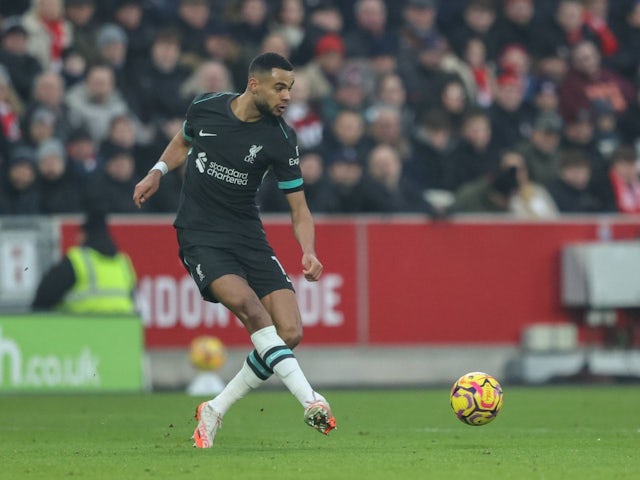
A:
[147,187]
[311,267]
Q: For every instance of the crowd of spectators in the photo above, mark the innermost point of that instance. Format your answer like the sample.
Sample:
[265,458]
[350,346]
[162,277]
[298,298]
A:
[434,106]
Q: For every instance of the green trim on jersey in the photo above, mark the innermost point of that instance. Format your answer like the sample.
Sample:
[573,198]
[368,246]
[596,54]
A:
[209,97]
[184,132]
[284,132]
[290,184]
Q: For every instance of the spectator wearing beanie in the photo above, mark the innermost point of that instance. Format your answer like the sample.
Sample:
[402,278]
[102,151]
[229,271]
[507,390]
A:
[59,186]
[19,195]
[22,67]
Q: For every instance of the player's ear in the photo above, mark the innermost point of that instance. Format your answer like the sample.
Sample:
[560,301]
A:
[253,84]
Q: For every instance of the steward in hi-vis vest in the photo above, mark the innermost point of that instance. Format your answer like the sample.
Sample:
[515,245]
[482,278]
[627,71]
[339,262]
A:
[93,277]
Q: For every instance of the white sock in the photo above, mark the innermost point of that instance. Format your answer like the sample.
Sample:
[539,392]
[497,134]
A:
[281,360]
[244,381]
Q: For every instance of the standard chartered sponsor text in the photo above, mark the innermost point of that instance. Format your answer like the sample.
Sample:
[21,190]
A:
[226,174]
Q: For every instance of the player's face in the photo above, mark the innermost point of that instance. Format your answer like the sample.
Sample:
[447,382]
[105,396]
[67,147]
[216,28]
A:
[272,93]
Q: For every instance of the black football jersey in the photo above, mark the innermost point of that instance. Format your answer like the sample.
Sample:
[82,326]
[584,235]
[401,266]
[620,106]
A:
[226,163]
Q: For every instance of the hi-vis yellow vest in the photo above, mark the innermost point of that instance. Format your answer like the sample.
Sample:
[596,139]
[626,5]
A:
[103,284]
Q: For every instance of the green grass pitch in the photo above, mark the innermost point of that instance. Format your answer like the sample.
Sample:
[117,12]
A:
[573,432]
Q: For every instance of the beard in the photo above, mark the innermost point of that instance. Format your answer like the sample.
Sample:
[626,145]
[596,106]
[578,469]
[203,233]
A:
[264,109]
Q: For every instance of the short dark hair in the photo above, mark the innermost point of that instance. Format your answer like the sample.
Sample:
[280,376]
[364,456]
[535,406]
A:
[266,61]
[624,153]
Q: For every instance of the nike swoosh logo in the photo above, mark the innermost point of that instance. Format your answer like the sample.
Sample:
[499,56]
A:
[205,134]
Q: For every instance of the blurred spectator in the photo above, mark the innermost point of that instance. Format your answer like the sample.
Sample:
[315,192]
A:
[624,175]
[383,60]
[115,180]
[418,24]
[389,91]
[48,94]
[508,190]
[571,190]
[427,75]
[74,67]
[627,59]
[41,127]
[349,193]
[370,32]
[81,17]
[192,22]
[475,155]
[580,135]
[545,96]
[159,79]
[385,127]
[478,21]
[454,101]
[111,44]
[489,193]
[323,69]
[303,115]
[531,200]
[596,18]
[289,22]
[94,277]
[21,66]
[509,114]
[251,26]
[275,42]
[210,76]
[565,31]
[552,68]
[515,60]
[20,195]
[48,32]
[432,143]
[475,55]
[317,188]
[60,187]
[517,24]
[220,45]
[394,192]
[347,134]
[588,82]
[606,132]
[355,84]
[95,101]
[131,16]
[541,151]
[325,17]
[82,152]
[123,132]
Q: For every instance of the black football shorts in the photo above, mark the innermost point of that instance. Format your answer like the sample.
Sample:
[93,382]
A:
[208,256]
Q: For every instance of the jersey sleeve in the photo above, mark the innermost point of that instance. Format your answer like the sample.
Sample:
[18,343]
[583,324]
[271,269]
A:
[286,166]
[188,131]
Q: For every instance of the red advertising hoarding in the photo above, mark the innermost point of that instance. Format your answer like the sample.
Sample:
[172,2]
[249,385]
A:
[386,282]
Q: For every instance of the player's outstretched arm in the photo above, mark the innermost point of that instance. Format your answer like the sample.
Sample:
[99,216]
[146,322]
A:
[174,156]
[304,231]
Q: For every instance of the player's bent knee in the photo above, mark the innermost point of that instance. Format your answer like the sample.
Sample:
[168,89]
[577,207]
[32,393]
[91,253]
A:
[252,314]
[292,336]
